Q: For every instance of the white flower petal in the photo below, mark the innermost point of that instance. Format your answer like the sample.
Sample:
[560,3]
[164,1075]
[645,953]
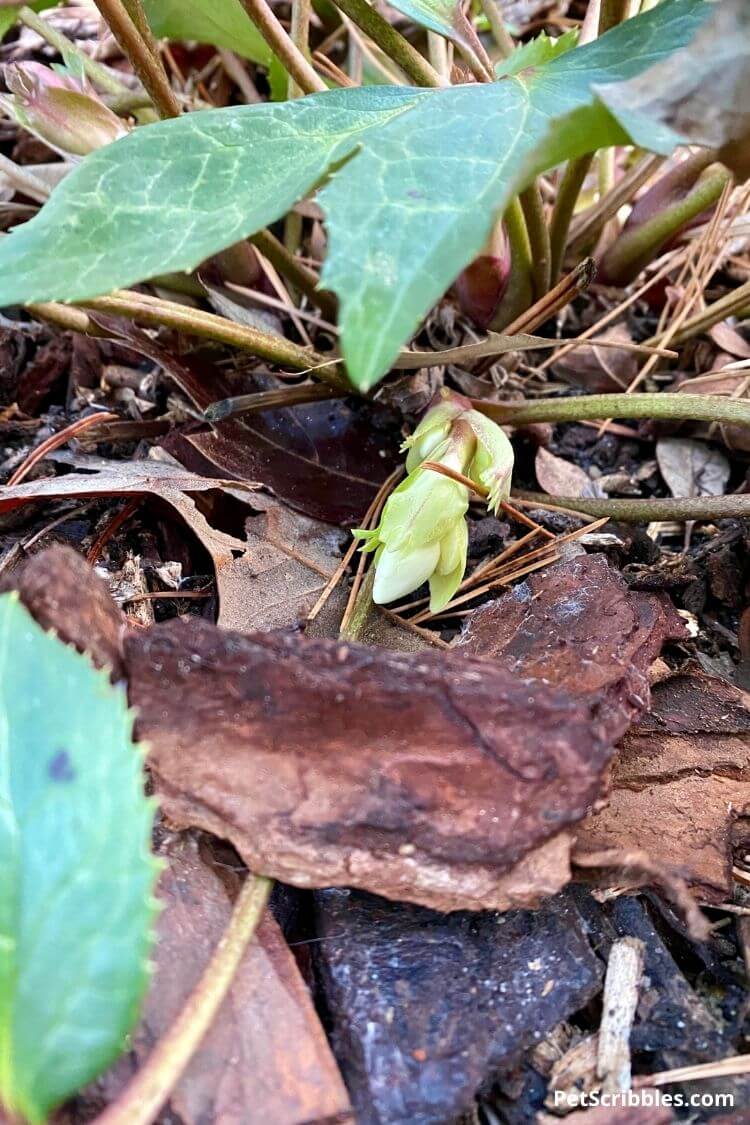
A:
[399,572]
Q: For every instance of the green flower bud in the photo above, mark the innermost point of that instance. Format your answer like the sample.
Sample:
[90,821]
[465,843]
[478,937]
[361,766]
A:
[422,535]
[55,109]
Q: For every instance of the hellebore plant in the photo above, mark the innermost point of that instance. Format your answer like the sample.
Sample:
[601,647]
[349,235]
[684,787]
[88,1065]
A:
[422,535]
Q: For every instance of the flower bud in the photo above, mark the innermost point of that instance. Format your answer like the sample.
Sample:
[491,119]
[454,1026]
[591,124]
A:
[422,535]
[55,109]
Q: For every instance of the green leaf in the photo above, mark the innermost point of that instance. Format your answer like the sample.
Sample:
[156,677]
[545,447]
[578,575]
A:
[420,178]
[537,52]
[9,16]
[446,17]
[223,23]
[76,873]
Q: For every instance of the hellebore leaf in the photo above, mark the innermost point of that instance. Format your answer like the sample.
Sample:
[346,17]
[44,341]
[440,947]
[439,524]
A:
[76,874]
[223,23]
[701,93]
[417,180]
[537,52]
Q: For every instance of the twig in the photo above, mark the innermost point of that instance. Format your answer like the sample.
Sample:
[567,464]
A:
[286,51]
[55,441]
[724,1068]
[729,305]
[268,400]
[574,283]
[585,228]
[390,41]
[100,75]
[152,1085]
[23,180]
[300,35]
[621,984]
[147,66]
[290,267]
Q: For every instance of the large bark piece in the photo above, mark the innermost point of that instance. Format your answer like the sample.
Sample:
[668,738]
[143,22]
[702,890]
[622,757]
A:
[424,778]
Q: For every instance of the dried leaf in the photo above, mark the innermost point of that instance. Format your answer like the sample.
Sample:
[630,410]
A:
[326,459]
[692,468]
[600,370]
[562,478]
[243,1072]
[680,778]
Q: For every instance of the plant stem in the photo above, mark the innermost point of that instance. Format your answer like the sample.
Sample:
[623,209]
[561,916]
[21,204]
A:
[135,10]
[147,66]
[302,278]
[539,240]
[22,180]
[586,227]
[500,33]
[568,191]
[400,50]
[152,310]
[156,1079]
[669,407]
[731,305]
[611,13]
[300,35]
[286,51]
[519,290]
[268,400]
[100,75]
[644,511]
[635,248]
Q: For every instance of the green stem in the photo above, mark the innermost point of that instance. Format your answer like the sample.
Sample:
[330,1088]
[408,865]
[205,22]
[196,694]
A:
[100,75]
[377,28]
[147,66]
[668,407]
[154,1082]
[732,304]
[586,228]
[152,310]
[355,627]
[539,240]
[635,248]
[518,295]
[644,511]
[568,191]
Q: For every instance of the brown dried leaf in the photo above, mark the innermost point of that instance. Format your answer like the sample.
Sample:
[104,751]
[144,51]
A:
[692,468]
[562,478]
[423,778]
[680,778]
[265,1060]
[600,369]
